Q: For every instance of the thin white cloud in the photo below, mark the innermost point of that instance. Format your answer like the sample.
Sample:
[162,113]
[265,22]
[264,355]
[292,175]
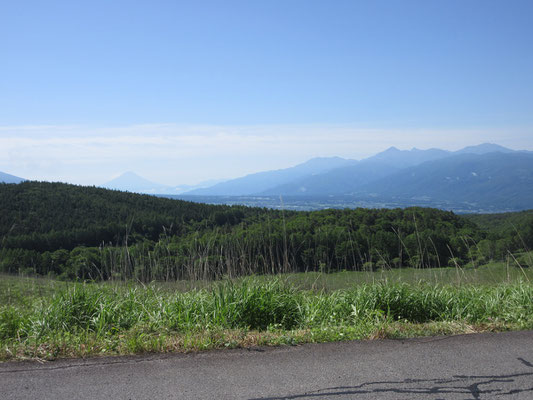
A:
[176,154]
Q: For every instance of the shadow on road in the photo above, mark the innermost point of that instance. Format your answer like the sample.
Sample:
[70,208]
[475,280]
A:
[473,386]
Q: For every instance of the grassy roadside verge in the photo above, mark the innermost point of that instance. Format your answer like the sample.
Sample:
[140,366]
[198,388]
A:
[60,319]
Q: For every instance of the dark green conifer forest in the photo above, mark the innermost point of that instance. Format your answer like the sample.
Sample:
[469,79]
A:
[88,233]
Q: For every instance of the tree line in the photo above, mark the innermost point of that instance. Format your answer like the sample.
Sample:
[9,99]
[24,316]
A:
[76,232]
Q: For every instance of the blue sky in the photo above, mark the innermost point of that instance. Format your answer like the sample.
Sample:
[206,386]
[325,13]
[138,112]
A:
[185,91]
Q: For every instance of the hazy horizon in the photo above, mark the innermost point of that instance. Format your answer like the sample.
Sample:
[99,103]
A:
[162,176]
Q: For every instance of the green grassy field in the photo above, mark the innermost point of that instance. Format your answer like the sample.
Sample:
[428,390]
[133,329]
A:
[46,319]
[490,274]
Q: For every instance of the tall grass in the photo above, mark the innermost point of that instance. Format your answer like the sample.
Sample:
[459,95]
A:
[107,316]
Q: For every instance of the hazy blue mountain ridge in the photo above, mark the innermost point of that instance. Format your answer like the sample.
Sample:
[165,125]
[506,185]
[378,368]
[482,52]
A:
[333,176]
[349,179]
[261,181]
[497,178]
[336,181]
[317,176]
[486,175]
[407,158]
[8,178]
[131,182]
[484,148]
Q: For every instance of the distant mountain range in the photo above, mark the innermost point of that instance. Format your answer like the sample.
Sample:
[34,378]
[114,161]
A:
[504,179]
[263,181]
[131,182]
[487,174]
[7,178]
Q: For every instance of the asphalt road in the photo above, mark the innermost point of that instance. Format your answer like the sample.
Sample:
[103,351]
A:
[481,366]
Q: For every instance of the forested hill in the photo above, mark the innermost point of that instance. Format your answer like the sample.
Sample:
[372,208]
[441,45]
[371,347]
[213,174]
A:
[48,216]
[91,233]
[507,224]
